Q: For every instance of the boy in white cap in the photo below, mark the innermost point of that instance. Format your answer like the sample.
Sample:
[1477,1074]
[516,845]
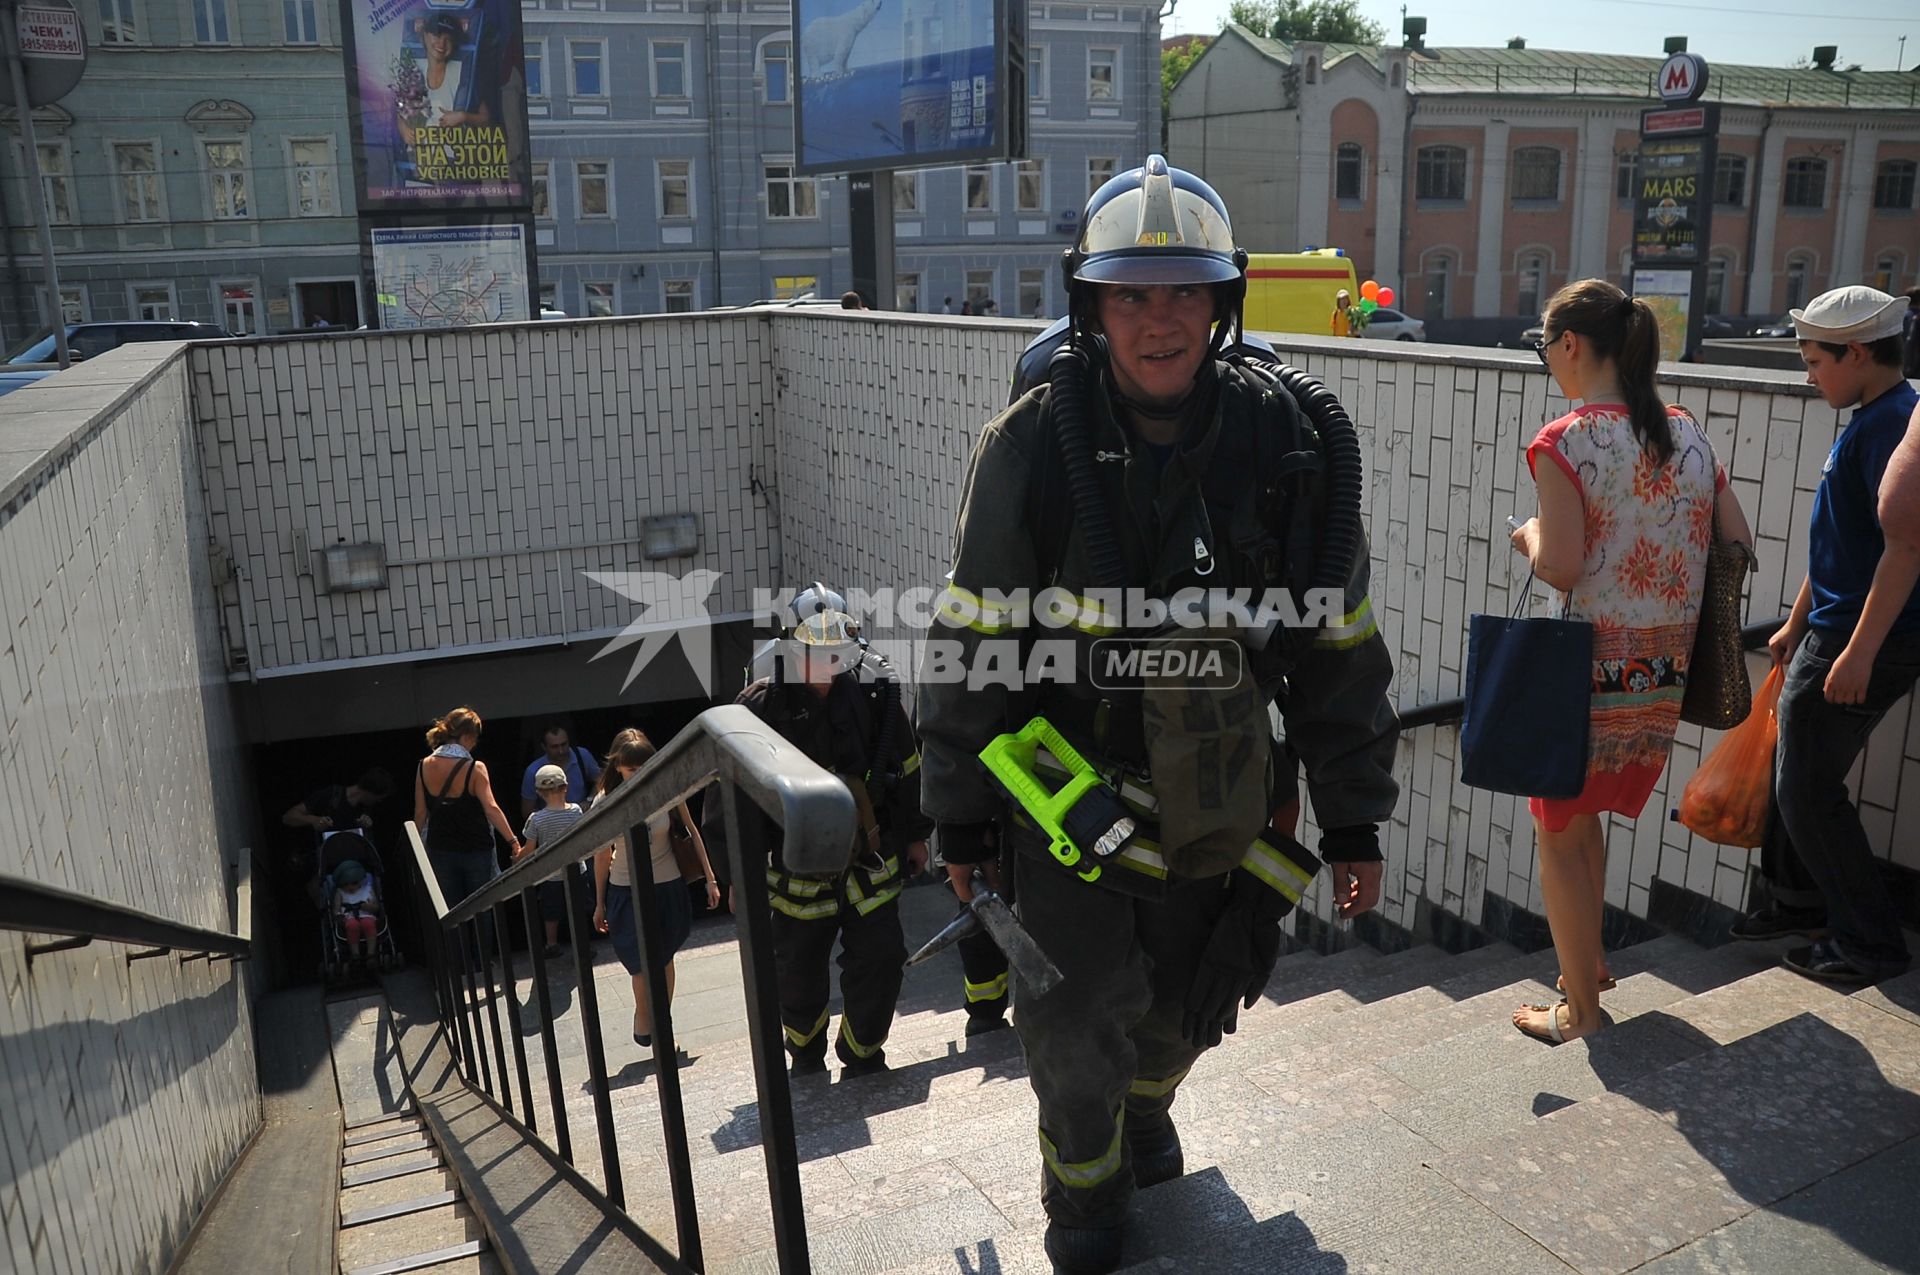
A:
[1852,650]
[544,827]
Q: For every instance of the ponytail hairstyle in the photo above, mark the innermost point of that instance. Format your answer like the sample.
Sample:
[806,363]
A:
[452,728]
[630,747]
[1623,329]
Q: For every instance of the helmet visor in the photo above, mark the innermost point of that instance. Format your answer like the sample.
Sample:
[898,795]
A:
[1155,265]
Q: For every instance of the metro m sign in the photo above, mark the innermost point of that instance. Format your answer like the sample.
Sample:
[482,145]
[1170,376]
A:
[1683,77]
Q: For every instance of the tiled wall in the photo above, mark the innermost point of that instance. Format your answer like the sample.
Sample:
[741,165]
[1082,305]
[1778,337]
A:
[129,1089]
[495,467]
[874,432]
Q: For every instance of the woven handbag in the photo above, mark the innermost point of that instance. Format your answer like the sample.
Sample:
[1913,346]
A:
[1718,694]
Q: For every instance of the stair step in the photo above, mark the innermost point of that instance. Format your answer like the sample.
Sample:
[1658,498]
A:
[376,1244]
[1678,1153]
[366,1136]
[368,1155]
[430,1259]
[398,1208]
[384,1118]
[383,1170]
[1897,996]
[411,1186]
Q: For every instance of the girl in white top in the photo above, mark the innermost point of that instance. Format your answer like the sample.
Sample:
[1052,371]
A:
[613,913]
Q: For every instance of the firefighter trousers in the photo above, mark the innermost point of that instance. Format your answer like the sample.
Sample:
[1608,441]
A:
[863,913]
[1107,1041]
[984,967]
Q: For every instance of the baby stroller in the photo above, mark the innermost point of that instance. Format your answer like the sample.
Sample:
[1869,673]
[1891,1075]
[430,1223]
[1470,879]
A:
[340,959]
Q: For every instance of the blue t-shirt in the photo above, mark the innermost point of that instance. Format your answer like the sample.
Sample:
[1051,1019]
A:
[1845,542]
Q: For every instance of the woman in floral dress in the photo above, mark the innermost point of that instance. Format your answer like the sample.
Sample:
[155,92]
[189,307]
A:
[1628,488]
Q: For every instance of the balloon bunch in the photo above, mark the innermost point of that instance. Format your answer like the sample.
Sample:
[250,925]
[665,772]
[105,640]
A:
[1373,296]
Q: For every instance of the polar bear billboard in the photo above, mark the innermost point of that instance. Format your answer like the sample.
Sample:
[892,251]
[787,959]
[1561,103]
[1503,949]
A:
[908,83]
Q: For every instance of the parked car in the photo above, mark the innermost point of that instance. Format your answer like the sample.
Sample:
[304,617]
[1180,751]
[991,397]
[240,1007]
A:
[1780,327]
[86,340]
[1392,325]
[19,376]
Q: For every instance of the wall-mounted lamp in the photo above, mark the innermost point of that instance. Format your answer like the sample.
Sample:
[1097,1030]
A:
[349,568]
[671,535]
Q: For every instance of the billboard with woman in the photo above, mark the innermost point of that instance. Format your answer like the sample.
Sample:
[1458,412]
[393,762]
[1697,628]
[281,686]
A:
[437,95]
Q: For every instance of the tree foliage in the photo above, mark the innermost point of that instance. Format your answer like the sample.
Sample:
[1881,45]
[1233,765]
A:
[1173,64]
[1331,21]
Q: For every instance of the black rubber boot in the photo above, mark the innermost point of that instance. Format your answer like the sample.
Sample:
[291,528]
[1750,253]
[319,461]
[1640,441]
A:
[1154,1145]
[873,1066]
[981,1024]
[811,1063]
[1079,1250]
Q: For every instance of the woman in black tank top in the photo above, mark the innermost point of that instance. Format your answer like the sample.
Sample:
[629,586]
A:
[453,807]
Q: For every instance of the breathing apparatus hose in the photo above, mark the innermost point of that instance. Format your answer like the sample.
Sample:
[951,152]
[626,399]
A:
[1345,472]
[883,739]
[1068,372]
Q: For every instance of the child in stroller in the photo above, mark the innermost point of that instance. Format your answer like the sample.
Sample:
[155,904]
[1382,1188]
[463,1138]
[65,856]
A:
[355,929]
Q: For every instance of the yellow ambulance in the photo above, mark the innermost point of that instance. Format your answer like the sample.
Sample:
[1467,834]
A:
[1293,291]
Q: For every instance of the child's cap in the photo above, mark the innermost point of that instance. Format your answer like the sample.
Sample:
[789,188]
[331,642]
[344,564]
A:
[1855,313]
[550,777]
[349,873]
[1343,293]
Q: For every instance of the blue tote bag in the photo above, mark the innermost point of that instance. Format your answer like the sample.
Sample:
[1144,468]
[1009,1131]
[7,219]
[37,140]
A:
[1529,698]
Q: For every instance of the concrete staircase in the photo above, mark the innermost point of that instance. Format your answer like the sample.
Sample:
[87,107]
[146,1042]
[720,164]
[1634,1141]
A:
[1377,1113]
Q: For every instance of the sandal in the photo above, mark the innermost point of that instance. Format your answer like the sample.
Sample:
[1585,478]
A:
[1555,1034]
[1606,984]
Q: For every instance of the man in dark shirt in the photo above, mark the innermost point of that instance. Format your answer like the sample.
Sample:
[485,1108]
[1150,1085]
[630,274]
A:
[333,808]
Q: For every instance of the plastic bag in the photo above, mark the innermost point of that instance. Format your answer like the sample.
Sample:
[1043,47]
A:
[1726,800]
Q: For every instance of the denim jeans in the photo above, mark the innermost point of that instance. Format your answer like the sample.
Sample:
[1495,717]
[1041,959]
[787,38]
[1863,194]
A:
[1817,851]
[461,872]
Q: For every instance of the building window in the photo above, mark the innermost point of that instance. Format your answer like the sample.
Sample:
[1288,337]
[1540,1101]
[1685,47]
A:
[73,304]
[776,68]
[1730,181]
[239,308]
[599,300]
[1037,73]
[1624,165]
[789,197]
[138,181]
[1532,273]
[593,188]
[979,290]
[56,182]
[152,301]
[1718,269]
[210,22]
[1103,75]
[669,68]
[1313,70]
[536,68]
[542,198]
[1030,186]
[1100,171]
[1441,173]
[677,296]
[980,188]
[1439,285]
[227,180]
[585,58]
[1806,184]
[1798,268]
[117,24]
[906,292]
[1893,185]
[1032,299]
[312,160]
[302,21]
[1887,272]
[906,194]
[549,296]
[675,179]
[1536,175]
[1346,171]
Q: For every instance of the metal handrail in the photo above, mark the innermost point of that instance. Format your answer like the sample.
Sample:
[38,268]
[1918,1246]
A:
[33,907]
[816,814]
[1445,712]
